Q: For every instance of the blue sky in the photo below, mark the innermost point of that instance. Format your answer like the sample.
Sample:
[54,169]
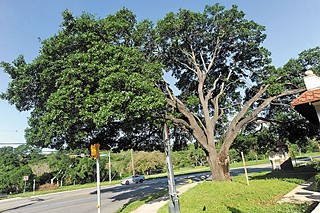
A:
[291,26]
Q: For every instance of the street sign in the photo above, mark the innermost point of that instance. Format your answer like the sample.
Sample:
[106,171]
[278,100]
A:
[25,178]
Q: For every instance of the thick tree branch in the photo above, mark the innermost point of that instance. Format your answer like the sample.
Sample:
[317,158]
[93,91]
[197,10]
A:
[178,121]
[200,122]
[186,66]
[216,52]
[215,102]
[192,123]
[193,60]
[238,122]
[263,120]
[213,88]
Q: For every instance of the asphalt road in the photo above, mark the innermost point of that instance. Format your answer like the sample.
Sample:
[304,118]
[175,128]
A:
[85,201]
[112,198]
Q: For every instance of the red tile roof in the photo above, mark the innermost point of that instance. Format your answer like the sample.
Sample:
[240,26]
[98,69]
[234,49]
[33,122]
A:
[307,97]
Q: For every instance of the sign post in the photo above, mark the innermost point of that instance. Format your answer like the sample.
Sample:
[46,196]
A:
[245,168]
[108,165]
[109,168]
[34,186]
[25,179]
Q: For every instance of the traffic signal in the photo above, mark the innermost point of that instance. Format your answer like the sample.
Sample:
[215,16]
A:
[94,150]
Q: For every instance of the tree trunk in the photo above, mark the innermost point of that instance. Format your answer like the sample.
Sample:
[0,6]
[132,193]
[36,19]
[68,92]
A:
[219,166]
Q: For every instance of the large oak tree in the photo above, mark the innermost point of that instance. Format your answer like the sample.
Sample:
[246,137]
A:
[214,55]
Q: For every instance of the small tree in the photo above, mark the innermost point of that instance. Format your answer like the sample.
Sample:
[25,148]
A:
[146,162]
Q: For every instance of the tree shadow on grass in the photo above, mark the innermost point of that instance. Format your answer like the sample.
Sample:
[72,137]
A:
[233,210]
[301,172]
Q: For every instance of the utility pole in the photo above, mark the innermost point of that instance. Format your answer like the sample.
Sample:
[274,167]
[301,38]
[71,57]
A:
[132,163]
[174,206]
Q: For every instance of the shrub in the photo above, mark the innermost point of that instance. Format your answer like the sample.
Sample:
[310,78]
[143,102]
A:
[234,155]
[47,186]
[313,146]
[252,155]
[317,183]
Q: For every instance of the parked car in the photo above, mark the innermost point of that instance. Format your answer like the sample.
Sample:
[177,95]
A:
[133,179]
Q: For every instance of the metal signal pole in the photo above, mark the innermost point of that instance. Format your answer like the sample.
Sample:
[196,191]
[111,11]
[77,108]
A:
[174,206]
[98,185]
[94,153]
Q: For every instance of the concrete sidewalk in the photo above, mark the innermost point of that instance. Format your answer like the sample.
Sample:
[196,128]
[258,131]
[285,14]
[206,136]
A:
[302,194]
[155,205]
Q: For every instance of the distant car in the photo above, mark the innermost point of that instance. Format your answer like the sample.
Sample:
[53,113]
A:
[133,179]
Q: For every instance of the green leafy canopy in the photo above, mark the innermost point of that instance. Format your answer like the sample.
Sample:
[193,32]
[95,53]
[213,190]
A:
[93,81]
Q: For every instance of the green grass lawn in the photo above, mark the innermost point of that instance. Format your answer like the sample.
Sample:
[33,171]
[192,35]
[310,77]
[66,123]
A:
[261,195]
[236,196]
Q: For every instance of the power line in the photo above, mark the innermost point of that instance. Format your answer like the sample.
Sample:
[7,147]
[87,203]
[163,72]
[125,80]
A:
[11,143]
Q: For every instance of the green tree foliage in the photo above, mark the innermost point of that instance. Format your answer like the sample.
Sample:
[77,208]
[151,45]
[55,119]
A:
[94,81]
[149,162]
[121,163]
[13,167]
[281,123]
[245,143]
[76,167]
[284,124]
[190,157]
[70,167]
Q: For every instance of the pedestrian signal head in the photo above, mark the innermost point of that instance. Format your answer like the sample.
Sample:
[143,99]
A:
[94,150]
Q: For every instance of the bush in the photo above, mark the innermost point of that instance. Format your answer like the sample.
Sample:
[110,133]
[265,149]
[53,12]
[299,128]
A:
[48,186]
[262,157]
[252,155]
[234,155]
[313,146]
[317,183]
[294,149]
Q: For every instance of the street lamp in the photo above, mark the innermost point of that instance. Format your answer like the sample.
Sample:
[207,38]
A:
[174,206]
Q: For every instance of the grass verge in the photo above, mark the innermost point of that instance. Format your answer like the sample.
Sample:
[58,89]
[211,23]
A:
[136,204]
[261,195]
